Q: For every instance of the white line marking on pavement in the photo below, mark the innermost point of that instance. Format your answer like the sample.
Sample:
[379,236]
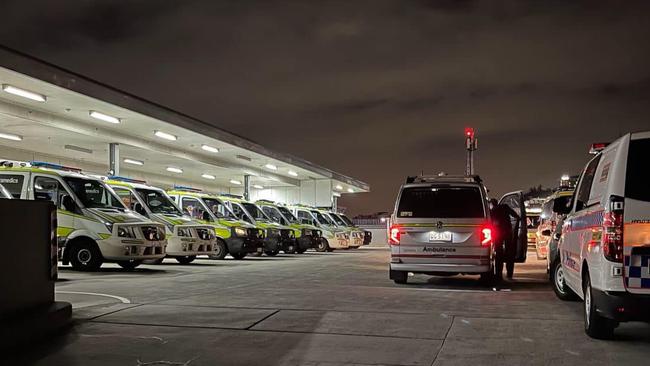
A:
[124,300]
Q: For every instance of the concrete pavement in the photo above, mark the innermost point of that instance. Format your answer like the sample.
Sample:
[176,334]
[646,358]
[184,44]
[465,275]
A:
[320,309]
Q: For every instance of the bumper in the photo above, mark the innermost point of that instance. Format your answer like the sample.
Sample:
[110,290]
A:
[437,268]
[244,245]
[622,306]
[336,243]
[132,249]
[181,247]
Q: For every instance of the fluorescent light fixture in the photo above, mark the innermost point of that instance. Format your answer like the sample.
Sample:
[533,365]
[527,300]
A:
[339,187]
[350,190]
[165,135]
[209,148]
[174,169]
[336,194]
[208,176]
[104,117]
[292,173]
[234,181]
[78,148]
[258,186]
[10,136]
[133,161]
[24,93]
[271,166]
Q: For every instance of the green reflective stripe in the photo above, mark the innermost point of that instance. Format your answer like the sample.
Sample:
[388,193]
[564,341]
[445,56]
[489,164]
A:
[63,231]
[103,236]
[68,213]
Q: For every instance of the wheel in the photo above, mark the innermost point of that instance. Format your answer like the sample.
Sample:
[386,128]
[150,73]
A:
[300,250]
[290,249]
[272,253]
[238,256]
[158,261]
[562,291]
[354,247]
[487,278]
[596,326]
[220,250]
[129,265]
[323,246]
[186,259]
[399,277]
[85,256]
[491,278]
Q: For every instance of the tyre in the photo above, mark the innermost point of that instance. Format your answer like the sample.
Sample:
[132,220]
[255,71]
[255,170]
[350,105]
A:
[85,256]
[562,291]
[323,246]
[238,256]
[186,259]
[300,250]
[399,277]
[354,247]
[487,278]
[129,265]
[290,249]
[220,250]
[596,326]
[272,253]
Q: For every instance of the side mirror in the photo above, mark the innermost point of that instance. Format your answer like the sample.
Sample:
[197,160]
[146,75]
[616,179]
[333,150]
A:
[546,232]
[67,203]
[206,216]
[137,207]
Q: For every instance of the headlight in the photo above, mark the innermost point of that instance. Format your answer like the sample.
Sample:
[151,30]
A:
[183,231]
[204,234]
[240,231]
[109,226]
[306,232]
[126,232]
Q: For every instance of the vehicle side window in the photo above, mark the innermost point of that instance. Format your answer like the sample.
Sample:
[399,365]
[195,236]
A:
[601,176]
[49,189]
[13,184]
[192,207]
[126,196]
[303,215]
[582,196]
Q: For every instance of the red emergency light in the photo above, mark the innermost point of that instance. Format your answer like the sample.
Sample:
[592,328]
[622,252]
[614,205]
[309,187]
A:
[469,132]
[597,147]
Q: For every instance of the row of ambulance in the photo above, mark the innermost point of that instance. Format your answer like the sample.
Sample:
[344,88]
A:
[126,221]
[595,236]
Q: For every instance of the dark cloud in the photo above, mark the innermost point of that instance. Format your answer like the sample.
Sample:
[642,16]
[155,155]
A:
[375,89]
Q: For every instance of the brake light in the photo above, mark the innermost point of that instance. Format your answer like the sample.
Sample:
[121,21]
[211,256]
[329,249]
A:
[486,236]
[394,235]
[613,230]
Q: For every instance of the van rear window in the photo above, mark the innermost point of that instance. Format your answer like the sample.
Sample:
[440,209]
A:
[441,202]
[637,176]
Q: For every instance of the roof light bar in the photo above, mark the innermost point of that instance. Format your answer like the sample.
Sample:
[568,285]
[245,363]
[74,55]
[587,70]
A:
[133,161]
[44,164]
[10,136]
[208,176]
[104,117]
[271,166]
[292,173]
[174,169]
[165,135]
[24,93]
[125,179]
[187,189]
[209,148]
[234,181]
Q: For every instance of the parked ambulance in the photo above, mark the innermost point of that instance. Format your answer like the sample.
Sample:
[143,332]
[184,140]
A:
[186,238]
[239,238]
[94,226]
[307,235]
[605,243]
[332,236]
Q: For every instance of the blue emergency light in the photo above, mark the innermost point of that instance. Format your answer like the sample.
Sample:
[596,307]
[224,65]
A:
[43,164]
[125,179]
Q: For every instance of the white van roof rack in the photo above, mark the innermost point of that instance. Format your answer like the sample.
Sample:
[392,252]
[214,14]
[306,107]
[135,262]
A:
[444,178]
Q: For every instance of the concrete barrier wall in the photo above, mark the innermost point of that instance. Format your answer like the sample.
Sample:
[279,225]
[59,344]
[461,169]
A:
[26,272]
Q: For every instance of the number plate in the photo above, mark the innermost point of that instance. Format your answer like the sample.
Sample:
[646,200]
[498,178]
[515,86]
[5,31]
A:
[440,236]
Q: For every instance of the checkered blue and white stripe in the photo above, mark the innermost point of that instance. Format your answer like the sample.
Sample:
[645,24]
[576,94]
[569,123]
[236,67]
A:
[637,270]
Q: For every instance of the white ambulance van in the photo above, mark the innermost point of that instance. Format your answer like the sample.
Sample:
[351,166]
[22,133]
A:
[94,226]
[186,238]
[605,244]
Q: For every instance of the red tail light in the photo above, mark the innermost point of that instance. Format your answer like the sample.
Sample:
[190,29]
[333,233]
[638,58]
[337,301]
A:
[394,235]
[613,230]
[486,236]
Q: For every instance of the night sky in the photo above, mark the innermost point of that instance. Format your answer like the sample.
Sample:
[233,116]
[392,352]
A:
[373,89]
